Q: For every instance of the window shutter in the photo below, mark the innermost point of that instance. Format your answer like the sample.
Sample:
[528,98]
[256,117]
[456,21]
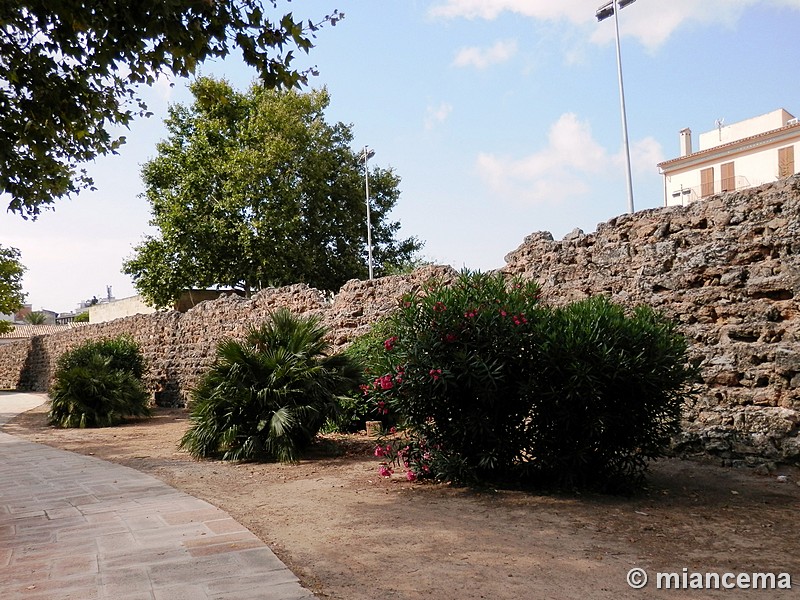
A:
[786,162]
[728,177]
[707,182]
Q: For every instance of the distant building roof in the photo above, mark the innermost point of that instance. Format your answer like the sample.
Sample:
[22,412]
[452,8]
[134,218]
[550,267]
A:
[28,331]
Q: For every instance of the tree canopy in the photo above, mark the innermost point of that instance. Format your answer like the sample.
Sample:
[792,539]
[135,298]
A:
[70,70]
[11,295]
[256,189]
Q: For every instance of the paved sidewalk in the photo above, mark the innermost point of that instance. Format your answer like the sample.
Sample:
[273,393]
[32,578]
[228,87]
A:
[76,527]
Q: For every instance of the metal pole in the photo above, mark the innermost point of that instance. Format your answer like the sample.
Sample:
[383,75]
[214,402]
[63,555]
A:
[626,148]
[369,217]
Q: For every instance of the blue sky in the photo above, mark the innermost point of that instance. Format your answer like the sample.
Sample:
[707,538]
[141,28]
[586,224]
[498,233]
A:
[500,116]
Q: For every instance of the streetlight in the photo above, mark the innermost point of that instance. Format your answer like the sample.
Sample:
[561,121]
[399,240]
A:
[608,9]
[368,153]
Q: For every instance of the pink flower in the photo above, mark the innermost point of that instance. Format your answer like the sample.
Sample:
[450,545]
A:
[439,307]
[393,430]
[411,476]
[379,451]
[435,373]
[385,471]
[384,383]
[450,338]
[389,344]
[503,313]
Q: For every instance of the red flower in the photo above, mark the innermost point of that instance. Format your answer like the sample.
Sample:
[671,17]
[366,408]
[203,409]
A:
[435,373]
[439,307]
[384,383]
[389,344]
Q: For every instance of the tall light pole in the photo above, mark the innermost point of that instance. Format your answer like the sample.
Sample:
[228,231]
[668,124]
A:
[365,157]
[608,9]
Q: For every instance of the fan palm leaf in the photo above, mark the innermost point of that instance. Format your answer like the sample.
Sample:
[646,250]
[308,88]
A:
[266,397]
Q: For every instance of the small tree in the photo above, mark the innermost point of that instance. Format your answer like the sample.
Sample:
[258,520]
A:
[267,397]
[11,295]
[35,318]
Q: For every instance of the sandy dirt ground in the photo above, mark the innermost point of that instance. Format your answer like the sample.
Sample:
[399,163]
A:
[351,535]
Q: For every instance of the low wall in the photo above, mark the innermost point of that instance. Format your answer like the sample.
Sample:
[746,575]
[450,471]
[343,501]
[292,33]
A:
[727,269]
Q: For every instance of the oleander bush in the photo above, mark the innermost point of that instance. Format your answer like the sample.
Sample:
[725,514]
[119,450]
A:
[266,397]
[99,384]
[608,394]
[492,386]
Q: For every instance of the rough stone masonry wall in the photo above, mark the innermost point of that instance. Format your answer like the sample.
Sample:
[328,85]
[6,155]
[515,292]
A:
[178,347]
[728,269]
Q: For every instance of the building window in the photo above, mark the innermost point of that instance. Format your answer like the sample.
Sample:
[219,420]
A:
[707,182]
[786,162]
[728,177]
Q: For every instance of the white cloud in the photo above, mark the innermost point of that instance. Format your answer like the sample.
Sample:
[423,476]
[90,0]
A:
[482,58]
[646,154]
[490,9]
[649,22]
[565,168]
[437,114]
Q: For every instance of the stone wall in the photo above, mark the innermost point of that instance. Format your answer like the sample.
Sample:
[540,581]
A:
[178,347]
[726,268]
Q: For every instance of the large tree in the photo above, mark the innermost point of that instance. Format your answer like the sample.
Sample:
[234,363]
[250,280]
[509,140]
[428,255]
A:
[72,69]
[11,296]
[256,189]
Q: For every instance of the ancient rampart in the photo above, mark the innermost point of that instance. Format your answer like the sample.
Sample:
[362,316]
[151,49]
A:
[728,269]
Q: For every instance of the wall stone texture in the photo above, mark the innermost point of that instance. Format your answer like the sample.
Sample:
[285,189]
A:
[726,268]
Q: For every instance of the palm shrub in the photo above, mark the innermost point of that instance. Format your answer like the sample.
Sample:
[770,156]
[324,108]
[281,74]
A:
[98,384]
[122,351]
[266,397]
[495,387]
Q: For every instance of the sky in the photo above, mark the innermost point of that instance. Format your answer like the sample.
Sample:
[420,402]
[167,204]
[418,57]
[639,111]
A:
[501,117]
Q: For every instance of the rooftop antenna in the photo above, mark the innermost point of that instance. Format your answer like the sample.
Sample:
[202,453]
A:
[719,123]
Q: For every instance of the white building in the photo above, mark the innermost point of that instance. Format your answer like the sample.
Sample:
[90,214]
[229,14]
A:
[733,157]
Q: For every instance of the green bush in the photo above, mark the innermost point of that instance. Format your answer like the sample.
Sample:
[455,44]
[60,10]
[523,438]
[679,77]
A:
[495,387]
[608,394]
[353,410]
[98,384]
[268,396]
[453,368]
[122,351]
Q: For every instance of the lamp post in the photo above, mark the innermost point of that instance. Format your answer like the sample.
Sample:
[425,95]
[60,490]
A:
[608,9]
[368,153]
